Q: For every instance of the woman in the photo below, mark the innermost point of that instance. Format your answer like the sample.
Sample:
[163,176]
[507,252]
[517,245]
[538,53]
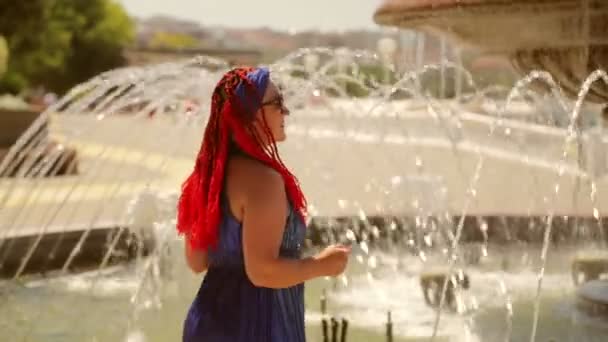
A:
[242,213]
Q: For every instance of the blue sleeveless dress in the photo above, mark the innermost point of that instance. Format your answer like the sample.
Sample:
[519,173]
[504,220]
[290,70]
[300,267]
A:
[228,307]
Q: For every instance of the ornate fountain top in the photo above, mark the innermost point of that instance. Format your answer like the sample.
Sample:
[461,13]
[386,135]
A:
[504,25]
[568,38]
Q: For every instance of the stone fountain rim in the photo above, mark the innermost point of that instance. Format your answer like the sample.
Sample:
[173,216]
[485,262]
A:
[593,292]
[461,22]
[414,13]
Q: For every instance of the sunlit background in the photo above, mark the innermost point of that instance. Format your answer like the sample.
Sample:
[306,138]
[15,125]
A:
[458,147]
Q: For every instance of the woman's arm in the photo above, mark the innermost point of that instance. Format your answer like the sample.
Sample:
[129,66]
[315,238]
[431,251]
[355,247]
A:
[264,217]
[197,259]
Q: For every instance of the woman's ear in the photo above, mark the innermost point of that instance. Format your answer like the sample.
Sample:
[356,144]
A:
[259,115]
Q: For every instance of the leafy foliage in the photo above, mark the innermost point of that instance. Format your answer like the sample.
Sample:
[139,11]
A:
[60,43]
[3,55]
[173,41]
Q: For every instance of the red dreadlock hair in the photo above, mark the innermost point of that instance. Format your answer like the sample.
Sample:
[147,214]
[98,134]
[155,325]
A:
[230,121]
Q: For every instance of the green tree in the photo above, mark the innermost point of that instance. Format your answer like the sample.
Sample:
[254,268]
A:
[3,55]
[101,32]
[174,41]
[60,43]
[37,41]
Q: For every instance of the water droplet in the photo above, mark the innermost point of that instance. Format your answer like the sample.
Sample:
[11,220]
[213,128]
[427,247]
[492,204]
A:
[596,213]
[136,336]
[362,215]
[474,303]
[312,210]
[418,161]
[509,307]
[342,203]
[372,262]
[376,232]
[350,235]
[428,240]
[364,247]
[396,180]
[593,190]
[393,226]
[422,256]
[503,287]
[364,236]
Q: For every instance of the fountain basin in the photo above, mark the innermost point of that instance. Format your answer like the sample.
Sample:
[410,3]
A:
[592,298]
[432,284]
[54,250]
[41,155]
[49,160]
[14,123]
[585,269]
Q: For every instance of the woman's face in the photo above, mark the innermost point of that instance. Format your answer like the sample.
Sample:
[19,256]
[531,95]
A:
[273,110]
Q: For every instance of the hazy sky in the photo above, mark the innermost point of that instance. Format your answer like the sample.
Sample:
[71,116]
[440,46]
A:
[277,14]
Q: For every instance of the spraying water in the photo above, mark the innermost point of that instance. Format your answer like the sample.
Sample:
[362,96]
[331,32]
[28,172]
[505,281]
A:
[417,183]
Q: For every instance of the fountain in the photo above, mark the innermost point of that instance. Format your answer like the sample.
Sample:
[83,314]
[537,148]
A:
[566,38]
[3,55]
[416,183]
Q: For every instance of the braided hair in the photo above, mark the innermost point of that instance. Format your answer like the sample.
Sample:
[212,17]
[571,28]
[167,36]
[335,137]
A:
[231,121]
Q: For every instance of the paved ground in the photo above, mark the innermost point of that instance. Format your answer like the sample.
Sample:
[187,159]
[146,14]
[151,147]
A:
[346,164]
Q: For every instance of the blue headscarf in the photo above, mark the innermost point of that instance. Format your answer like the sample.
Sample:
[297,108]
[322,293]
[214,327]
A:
[260,78]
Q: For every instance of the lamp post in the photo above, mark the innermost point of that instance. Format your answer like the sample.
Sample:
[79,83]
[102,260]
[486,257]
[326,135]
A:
[387,48]
[408,50]
[444,56]
[343,59]
[458,81]
[311,62]
[419,59]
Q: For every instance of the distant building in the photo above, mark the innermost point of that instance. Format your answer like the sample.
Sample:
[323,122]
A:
[143,56]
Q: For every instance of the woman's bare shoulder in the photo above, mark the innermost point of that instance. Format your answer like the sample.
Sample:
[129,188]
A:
[255,179]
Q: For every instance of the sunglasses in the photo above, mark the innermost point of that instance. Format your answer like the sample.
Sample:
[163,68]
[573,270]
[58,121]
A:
[278,101]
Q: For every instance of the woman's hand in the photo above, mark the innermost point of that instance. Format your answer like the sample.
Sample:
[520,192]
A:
[333,260]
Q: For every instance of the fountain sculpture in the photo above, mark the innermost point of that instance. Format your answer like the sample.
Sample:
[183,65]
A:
[567,38]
